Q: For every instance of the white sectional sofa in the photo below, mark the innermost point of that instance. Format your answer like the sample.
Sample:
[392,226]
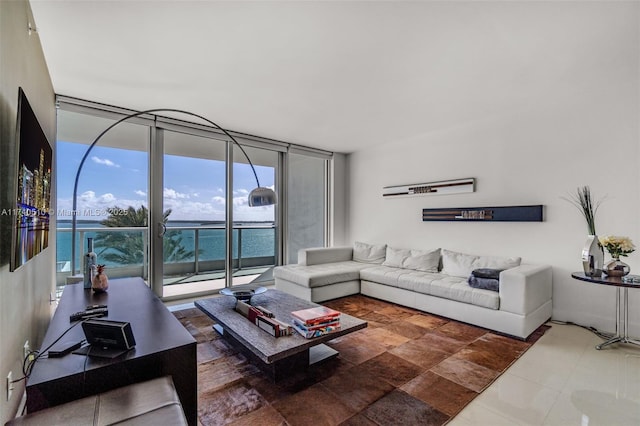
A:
[433,281]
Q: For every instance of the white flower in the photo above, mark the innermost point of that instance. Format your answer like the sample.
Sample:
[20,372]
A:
[617,246]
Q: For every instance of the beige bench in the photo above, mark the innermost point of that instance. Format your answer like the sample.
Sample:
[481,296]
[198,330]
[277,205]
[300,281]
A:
[154,402]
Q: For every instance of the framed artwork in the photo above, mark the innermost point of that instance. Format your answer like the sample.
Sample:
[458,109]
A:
[31,214]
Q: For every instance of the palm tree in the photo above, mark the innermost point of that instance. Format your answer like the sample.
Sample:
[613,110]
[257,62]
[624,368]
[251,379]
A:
[127,247]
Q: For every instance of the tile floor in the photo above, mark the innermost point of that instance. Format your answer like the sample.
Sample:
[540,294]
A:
[562,380]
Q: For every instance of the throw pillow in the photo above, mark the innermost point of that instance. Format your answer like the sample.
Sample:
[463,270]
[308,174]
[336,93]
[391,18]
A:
[496,262]
[457,264]
[423,260]
[369,253]
[462,265]
[395,257]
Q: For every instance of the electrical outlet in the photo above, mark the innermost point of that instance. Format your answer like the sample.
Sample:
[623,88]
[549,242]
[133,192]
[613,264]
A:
[25,350]
[9,385]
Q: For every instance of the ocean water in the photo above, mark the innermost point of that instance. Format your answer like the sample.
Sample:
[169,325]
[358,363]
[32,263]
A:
[256,242]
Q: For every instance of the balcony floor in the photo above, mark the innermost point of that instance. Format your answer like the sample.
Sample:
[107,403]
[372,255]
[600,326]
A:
[198,284]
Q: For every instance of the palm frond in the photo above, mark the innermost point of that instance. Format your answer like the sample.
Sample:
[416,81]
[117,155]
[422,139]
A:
[128,247]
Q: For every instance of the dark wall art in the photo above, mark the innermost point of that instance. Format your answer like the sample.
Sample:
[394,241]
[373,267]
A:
[31,213]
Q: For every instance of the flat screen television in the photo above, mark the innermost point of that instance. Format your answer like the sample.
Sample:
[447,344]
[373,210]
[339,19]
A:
[31,213]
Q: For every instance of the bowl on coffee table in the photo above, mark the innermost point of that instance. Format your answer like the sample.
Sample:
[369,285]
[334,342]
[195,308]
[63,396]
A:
[243,294]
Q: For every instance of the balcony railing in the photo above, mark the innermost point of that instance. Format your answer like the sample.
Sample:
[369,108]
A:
[254,246]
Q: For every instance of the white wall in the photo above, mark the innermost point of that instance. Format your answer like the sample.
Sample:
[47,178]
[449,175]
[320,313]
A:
[24,294]
[582,130]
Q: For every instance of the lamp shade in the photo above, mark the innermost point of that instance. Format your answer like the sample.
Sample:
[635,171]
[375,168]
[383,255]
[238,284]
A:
[262,196]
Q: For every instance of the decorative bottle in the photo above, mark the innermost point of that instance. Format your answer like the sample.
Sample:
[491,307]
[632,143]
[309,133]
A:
[90,261]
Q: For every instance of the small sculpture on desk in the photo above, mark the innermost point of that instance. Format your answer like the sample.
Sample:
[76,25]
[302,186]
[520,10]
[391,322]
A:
[100,281]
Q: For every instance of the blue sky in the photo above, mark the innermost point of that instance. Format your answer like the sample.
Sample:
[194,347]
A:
[193,188]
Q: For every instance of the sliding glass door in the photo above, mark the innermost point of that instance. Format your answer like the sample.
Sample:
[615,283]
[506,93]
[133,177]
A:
[193,213]
[167,200]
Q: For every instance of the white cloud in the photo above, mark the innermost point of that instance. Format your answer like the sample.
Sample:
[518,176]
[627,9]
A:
[92,206]
[87,196]
[240,201]
[172,194]
[107,198]
[104,161]
[192,210]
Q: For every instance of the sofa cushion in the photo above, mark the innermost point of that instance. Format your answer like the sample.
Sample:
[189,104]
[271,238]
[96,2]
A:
[461,264]
[419,281]
[321,274]
[434,284]
[395,257]
[423,260]
[459,290]
[384,274]
[369,253]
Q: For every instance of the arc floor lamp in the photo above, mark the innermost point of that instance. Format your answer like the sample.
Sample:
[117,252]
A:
[260,196]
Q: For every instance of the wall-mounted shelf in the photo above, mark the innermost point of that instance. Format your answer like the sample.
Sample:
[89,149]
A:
[434,188]
[485,214]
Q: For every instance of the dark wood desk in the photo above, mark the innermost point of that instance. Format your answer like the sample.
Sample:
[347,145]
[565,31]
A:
[163,347]
[622,306]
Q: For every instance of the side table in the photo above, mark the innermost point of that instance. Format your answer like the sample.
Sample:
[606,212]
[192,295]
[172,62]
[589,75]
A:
[622,306]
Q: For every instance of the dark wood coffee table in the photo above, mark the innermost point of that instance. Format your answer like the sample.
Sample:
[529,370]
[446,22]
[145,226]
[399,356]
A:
[278,357]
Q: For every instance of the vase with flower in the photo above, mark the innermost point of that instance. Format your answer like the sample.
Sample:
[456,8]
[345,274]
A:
[592,252]
[617,247]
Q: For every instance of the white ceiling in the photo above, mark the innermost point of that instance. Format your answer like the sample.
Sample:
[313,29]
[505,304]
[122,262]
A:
[340,76]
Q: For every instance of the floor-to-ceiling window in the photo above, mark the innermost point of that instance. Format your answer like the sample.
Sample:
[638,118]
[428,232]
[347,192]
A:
[171,180]
[111,195]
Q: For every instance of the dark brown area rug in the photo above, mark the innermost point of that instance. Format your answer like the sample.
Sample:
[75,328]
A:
[406,368]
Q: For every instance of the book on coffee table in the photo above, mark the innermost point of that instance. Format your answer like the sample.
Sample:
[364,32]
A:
[315,331]
[316,315]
